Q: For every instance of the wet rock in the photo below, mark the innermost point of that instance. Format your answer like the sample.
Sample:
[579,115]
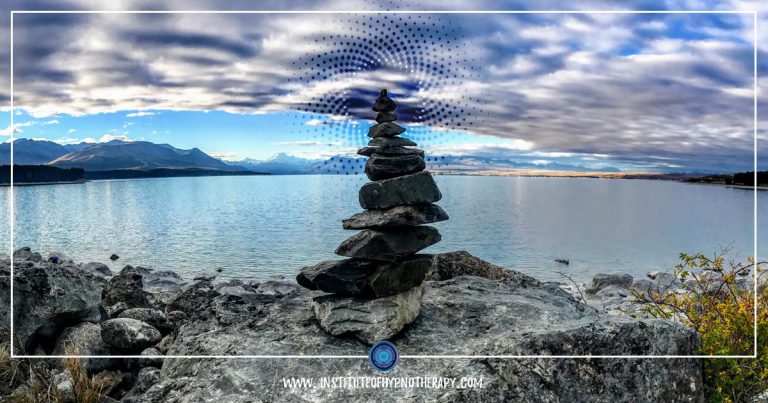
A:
[152,317]
[277,288]
[391,142]
[380,167]
[386,117]
[388,245]
[114,257]
[129,334]
[419,188]
[369,320]
[603,280]
[366,278]
[26,254]
[368,151]
[48,300]
[126,287]
[396,217]
[96,268]
[192,299]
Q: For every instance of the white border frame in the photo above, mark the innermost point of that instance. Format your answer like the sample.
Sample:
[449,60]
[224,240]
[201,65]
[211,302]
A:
[754,272]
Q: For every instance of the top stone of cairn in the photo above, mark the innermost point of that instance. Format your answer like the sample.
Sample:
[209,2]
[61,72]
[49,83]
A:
[384,103]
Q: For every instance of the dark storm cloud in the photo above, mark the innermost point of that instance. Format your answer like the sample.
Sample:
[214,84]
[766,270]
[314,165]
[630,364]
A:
[189,40]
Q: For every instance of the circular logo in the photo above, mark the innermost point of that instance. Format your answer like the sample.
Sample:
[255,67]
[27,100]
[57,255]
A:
[383,356]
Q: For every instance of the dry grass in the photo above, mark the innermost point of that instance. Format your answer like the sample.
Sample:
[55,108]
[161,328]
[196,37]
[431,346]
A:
[37,377]
[85,389]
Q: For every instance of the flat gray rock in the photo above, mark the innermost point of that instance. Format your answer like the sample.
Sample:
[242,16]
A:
[462,316]
[379,167]
[396,216]
[415,189]
[129,335]
[369,320]
[366,278]
[386,129]
[391,142]
[389,245]
[153,317]
[368,151]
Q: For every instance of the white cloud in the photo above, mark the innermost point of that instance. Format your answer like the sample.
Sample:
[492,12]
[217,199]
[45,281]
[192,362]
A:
[228,156]
[139,114]
[71,131]
[310,143]
[109,137]
[8,131]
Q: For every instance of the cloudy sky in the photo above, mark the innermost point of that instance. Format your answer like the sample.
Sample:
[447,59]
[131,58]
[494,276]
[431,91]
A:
[665,92]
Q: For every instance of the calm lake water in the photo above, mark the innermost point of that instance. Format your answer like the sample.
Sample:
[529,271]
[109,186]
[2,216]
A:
[260,226]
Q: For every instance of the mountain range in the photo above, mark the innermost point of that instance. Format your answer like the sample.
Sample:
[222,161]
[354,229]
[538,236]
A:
[118,155]
[113,155]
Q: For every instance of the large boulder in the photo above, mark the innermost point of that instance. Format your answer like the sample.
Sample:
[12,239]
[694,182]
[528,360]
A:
[379,167]
[446,266]
[25,254]
[129,335]
[46,300]
[388,244]
[140,287]
[603,280]
[126,287]
[97,269]
[85,339]
[398,216]
[465,315]
[153,317]
[370,320]
[418,188]
[194,299]
[366,278]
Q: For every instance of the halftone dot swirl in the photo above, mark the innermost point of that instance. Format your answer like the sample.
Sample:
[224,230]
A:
[423,60]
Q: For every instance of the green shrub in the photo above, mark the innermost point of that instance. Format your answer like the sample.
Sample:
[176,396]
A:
[723,314]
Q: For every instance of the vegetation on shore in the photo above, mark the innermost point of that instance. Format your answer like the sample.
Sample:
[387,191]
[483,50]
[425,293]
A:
[724,315]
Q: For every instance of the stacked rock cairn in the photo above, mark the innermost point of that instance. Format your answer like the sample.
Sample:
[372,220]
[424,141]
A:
[377,291]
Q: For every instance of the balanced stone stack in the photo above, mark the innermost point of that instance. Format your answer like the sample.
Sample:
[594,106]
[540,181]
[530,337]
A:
[377,291]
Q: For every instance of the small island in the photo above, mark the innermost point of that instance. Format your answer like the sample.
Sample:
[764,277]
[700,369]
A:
[40,175]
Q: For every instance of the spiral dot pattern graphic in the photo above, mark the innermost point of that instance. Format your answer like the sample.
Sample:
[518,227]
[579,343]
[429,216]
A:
[422,59]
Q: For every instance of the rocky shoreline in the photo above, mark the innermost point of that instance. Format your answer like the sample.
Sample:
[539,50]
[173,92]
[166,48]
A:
[468,307]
